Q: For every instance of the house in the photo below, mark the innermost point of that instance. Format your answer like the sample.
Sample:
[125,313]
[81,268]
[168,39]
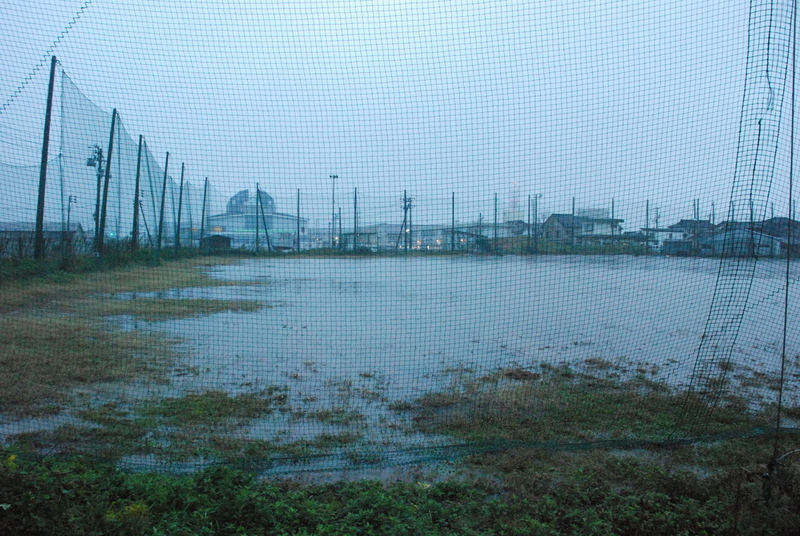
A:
[689,237]
[692,229]
[747,243]
[656,236]
[569,229]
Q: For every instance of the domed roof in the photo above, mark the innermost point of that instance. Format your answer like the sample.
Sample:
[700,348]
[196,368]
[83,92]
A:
[243,203]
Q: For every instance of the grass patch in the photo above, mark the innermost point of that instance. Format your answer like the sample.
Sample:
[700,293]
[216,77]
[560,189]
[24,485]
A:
[561,406]
[154,309]
[44,354]
[215,408]
[61,288]
[54,334]
[556,493]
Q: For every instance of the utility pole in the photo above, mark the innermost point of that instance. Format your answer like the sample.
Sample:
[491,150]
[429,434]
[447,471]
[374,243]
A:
[38,240]
[96,160]
[405,226]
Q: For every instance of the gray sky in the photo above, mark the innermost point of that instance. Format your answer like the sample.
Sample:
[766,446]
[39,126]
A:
[623,99]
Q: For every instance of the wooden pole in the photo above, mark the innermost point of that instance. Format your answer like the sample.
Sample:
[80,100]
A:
[38,240]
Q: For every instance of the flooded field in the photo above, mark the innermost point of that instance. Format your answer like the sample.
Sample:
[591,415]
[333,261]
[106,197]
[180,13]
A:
[407,326]
[341,349]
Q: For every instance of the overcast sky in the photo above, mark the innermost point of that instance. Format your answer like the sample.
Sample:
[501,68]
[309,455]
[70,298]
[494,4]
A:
[624,99]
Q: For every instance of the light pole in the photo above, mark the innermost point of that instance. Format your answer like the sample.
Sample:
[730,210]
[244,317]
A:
[333,205]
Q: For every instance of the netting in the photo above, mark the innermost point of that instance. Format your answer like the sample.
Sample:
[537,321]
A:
[349,235]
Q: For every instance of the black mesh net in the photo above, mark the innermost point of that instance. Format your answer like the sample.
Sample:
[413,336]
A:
[313,236]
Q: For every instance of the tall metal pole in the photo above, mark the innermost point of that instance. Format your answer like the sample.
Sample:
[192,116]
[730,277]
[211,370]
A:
[333,207]
[161,212]
[495,224]
[530,248]
[102,230]
[612,218]
[453,222]
[38,240]
[264,221]
[536,223]
[355,219]
[203,213]
[572,225]
[298,219]
[180,208]
[258,207]
[135,229]
[97,160]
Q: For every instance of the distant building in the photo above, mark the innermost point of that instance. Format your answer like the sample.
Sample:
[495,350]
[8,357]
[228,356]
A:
[17,239]
[769,238]
[747,243]
[247,223]
[568,229]
[656,236]
[689,237]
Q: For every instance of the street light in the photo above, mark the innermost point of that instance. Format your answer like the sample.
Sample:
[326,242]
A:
[333,205]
